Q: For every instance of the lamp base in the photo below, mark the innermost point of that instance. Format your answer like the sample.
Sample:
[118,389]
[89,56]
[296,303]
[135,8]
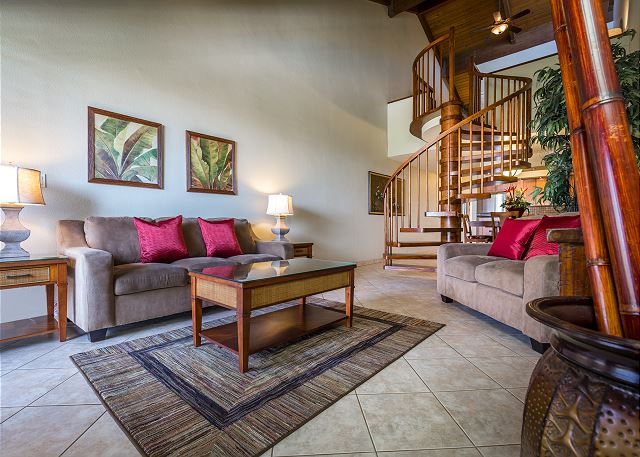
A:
[280,229]
[12,233]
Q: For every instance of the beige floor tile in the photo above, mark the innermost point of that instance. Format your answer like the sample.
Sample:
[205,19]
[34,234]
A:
[462,452]
[268,453]
[103,438]
[500,451]
[517,343]
[476,346]
[17,354]
[507,371]
[74,391]
[409,422]
[489,417]
[452,374]
[520,394]
[432,348]
[21,387]
[339,429]
[46,430]
[398,377]
[6,413]
[59,358]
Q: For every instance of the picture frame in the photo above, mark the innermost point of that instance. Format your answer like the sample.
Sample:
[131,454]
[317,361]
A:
[124,150]
[206,175]
[377,182]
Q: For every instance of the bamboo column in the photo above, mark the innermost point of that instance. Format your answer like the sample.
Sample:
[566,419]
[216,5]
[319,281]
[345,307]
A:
[597,254]
[610,151]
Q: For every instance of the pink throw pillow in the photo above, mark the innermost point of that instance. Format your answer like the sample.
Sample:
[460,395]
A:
[539,244]
[513,238]
[161,241]
[219,238]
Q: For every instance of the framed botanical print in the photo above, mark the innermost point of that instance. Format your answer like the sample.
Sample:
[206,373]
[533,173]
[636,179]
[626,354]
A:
[211,164]
[377,182]
[124,150]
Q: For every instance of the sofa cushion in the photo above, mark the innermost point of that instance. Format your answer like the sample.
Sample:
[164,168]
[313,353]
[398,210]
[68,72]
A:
[161,241]
[464,266]
[513,238]
[539,244]
[116,235]
[198,263]
[195,243]
[506,275]
[253,258]
[220,238]
[132,278]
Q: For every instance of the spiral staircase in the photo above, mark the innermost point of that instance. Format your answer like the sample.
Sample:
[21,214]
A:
[484,139]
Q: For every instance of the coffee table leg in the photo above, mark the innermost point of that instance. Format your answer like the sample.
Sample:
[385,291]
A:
[62,301]
[348,299]
[243,318]
[196,314]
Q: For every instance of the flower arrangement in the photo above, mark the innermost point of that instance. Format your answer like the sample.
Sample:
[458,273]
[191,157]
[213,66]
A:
[514,199]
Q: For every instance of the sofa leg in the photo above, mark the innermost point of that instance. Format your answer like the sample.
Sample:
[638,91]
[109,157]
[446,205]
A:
[538,346]
[97,335]
[446,299]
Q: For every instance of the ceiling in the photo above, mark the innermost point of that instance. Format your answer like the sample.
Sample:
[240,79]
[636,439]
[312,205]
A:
[467,16]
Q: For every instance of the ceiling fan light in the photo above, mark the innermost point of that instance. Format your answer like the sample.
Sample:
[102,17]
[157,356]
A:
[499,29]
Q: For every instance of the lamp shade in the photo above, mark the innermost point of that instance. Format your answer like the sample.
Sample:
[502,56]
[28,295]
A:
[20,186]
[280,205]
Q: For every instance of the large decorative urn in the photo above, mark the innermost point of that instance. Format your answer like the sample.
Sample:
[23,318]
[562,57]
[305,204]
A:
[583,397]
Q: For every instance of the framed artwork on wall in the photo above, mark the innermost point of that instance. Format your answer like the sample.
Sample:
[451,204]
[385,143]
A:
[124,150]
[377,181]
[211,164]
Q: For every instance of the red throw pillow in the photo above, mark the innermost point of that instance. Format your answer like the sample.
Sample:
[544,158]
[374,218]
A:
[219,238]
[513,238]
[539,244]
[161,241]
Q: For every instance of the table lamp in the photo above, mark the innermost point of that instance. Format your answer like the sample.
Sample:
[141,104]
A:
[280,206]
[19,187]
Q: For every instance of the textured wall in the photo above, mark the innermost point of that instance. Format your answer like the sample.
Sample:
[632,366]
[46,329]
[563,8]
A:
[301,85]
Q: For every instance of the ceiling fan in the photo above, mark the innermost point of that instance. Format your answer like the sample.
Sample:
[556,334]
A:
[501,25]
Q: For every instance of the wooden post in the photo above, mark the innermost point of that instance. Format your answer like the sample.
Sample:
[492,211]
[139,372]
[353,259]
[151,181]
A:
[451,114]
[595,247]
[610,149]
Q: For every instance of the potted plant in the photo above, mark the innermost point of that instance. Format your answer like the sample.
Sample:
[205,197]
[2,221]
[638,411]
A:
[515,201]
[551,125]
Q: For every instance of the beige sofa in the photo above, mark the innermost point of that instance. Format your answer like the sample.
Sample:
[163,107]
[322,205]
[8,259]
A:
[108,286]
[498,287]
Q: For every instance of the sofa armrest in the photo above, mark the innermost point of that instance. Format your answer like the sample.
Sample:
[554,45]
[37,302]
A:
[91,291]
[541,277]
[282,249]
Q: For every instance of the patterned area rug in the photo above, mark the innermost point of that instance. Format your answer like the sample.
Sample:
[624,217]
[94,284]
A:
[173,399]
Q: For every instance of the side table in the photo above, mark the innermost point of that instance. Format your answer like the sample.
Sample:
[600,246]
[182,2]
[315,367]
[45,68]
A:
[303,250]
[48,271]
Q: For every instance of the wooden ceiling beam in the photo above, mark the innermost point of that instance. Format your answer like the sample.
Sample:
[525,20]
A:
[400,6]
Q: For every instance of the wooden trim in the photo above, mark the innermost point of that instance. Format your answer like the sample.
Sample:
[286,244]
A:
[234,146]
[92,152]
[401,98]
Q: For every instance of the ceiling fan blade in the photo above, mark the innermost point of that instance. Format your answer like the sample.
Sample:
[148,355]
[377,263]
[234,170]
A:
[515,29]
[520,14]
[497,17]
[481,29]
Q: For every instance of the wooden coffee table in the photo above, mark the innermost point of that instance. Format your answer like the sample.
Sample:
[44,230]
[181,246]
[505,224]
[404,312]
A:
[249,287]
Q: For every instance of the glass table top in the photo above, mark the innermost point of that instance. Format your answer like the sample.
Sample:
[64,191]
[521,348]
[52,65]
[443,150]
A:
[265,270]
[33,257]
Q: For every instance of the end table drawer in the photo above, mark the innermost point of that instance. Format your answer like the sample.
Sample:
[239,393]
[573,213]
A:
[24,276]
[300,251]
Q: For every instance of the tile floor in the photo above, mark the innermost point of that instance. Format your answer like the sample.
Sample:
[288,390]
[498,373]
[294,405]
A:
[458,394]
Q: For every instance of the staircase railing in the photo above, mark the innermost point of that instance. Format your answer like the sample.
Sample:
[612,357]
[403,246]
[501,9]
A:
[433,76]
[484,149]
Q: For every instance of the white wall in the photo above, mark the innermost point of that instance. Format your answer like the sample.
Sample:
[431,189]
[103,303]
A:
[301,85]
[400,142]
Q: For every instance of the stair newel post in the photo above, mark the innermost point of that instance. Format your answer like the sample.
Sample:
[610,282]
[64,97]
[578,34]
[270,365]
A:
[610,150]
[452,61]
[451,114]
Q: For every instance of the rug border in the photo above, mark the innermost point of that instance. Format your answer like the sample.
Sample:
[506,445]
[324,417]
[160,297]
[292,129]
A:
[262,451]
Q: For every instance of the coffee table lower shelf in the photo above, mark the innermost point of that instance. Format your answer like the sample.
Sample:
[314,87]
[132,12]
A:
[274,328]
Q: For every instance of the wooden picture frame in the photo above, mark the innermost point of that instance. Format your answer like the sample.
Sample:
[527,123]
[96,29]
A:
[142,166]
[376,186]
[199,176]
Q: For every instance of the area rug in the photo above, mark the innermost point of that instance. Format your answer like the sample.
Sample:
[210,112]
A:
[173,399]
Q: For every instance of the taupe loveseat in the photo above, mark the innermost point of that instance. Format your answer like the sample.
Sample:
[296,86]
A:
[498,287]
[108,286]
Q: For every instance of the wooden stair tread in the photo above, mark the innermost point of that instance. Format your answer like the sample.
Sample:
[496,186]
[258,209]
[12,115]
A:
[440,214]
[477,195]
[410,256]
[429,229]
[413,244]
